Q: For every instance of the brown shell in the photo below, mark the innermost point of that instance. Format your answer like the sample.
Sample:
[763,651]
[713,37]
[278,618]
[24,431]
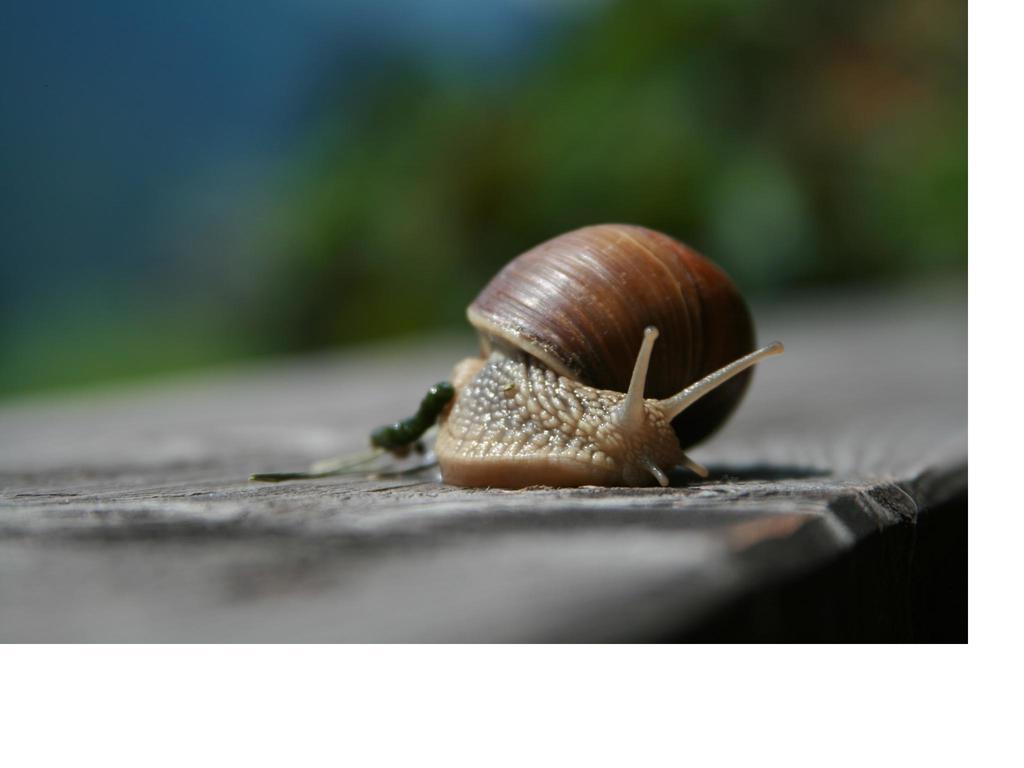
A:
[580,302]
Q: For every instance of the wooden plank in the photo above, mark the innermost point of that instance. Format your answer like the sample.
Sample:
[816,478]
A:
[126,515]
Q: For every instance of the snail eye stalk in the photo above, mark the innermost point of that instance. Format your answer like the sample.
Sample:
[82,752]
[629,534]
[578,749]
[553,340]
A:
[631,411]
[678,403]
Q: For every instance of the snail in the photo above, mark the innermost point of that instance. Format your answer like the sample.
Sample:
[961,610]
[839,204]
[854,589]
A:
[570,387]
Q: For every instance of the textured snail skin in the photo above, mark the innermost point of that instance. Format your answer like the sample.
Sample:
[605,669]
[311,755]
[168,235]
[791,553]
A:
[518,423]
[579,303]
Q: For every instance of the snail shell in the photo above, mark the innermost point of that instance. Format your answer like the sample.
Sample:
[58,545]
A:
[580,302]
[570,389]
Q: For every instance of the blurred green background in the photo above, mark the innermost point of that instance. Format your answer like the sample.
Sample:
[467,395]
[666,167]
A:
[197,183]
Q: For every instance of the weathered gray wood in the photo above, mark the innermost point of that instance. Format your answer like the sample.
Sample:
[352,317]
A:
[126,515]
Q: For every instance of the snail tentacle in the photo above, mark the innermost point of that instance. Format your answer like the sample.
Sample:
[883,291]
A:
[631,411]
[655,471]
[695,467]
[678,403]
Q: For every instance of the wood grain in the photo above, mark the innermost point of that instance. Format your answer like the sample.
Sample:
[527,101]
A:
[126,515]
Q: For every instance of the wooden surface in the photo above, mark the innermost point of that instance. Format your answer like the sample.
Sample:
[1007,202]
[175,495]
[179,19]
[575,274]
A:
[126,515]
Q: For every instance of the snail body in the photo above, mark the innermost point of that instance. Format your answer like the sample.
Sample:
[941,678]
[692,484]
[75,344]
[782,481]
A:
[568,330]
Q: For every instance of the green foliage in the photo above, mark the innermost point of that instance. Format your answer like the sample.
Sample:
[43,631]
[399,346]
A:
[797,143]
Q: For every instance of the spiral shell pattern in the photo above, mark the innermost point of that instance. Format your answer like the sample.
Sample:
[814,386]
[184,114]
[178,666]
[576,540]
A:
[580,302]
